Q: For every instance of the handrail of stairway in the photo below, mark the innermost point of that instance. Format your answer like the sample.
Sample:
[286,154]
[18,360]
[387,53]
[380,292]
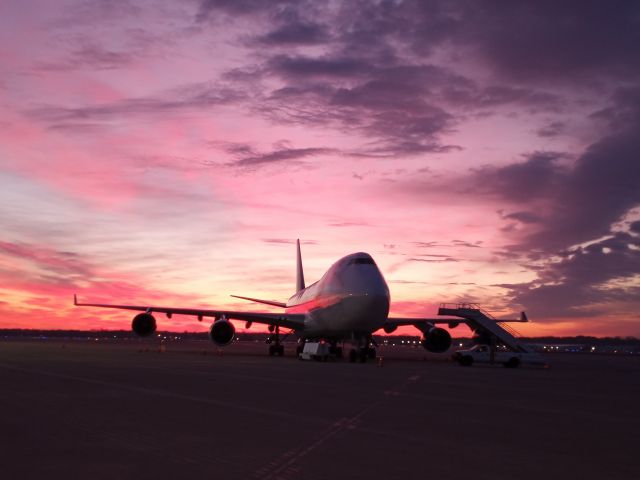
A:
[467,306]
[475,306]
[510,329]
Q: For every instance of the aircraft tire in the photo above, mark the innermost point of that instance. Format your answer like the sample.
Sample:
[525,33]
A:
[466,361]
[353,355]
[513,362]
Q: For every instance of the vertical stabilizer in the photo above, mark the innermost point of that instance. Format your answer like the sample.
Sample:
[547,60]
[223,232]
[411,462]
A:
[299,272]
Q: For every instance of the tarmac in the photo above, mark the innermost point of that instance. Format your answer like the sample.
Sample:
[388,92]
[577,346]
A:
[126,409]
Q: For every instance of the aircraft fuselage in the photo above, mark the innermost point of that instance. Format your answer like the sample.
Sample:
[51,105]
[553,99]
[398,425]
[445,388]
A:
[351,298]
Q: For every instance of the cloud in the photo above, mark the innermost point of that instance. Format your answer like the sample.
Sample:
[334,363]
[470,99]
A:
[236,7]
[37,283]
[433,260]
[394,107]
[463,243]
[298,33]
[520,182]
[453,243]
[477,96]
[92,57]
[189,97]
[286,154]
[552,129]
[41,270]
[583,280]
[567,41]
[601,188]
[402,103]
[247,156]
[349,224]
[526,109]
[523,217]
[575,204]
[62,263]
[295,67]
[371,79]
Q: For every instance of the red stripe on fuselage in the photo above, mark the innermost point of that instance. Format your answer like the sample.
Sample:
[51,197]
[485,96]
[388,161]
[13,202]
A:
[316,303]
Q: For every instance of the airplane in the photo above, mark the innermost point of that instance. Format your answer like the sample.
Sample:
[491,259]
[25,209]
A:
[349,303]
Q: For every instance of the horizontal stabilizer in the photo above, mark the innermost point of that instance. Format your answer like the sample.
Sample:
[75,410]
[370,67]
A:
[266,302]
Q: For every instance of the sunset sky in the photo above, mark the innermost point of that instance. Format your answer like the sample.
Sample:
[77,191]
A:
[170,152]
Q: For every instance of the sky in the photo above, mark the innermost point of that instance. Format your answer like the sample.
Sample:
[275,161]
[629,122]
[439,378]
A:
[162,152]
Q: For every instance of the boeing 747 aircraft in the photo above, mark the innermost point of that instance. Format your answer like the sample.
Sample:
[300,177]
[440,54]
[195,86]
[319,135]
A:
[349,303]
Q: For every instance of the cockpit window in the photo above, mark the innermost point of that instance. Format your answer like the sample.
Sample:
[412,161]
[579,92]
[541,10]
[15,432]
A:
[362,261]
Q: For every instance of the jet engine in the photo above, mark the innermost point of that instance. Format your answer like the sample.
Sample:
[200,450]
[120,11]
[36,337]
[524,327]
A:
[436,340]
[390,328]
[144,324]
[222,332]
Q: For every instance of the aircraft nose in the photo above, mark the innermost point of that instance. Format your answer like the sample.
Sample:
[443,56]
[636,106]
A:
[366,280]
[366,312]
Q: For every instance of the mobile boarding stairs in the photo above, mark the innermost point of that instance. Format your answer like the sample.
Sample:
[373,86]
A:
[481,321]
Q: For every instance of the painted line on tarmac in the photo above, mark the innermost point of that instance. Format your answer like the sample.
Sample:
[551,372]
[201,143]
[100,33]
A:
[284,466]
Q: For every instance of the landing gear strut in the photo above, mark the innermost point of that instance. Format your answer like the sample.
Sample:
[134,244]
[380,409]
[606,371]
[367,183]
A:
[275,348]
[335,350]
[363,351]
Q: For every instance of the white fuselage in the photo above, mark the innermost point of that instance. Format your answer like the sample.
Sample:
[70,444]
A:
[351,299]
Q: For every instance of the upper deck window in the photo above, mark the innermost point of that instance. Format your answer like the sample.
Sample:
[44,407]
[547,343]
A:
[362,261]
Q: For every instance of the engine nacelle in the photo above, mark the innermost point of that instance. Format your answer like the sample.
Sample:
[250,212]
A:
[390,328]
[436,340]
[143,324]
[222,332]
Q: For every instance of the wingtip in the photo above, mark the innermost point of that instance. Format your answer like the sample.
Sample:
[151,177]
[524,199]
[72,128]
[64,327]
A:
[75,299]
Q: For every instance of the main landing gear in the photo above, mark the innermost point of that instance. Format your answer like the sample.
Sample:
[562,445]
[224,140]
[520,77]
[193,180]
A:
[276,350]
[363,351]
[275,347]
[335,350]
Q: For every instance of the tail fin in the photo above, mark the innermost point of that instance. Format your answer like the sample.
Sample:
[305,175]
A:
[299,272]
[523,317]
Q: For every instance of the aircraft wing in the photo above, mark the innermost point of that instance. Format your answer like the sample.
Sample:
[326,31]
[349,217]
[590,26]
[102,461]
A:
[287,320]
[452,322]
[399,322]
